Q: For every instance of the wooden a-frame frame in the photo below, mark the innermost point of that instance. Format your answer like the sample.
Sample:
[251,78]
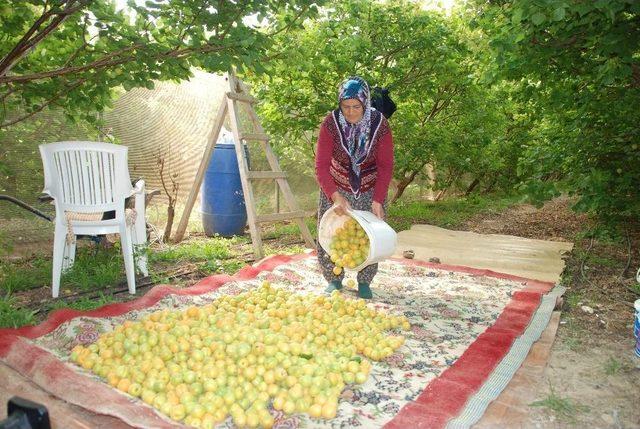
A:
[229,106]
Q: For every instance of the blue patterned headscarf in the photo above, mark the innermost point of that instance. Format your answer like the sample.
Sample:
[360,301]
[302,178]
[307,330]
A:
[356,135]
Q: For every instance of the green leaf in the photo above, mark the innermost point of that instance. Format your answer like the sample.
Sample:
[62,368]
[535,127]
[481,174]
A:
[559,14]
[538,18]
[517,16]
[584,8]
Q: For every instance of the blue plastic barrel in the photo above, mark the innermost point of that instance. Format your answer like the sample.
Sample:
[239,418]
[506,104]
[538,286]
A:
[223,208]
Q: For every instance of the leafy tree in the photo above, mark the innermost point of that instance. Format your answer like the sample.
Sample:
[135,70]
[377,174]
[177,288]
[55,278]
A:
[70,54]
[420,56]
[578,65]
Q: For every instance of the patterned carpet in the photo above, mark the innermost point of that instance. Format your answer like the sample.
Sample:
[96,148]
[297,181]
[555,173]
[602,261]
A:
[464,322]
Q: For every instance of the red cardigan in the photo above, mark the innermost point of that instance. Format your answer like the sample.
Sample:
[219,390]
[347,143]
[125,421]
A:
[333,163]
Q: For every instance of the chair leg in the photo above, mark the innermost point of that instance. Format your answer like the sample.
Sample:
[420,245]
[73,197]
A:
[127,253]
[69,256]
[59,240]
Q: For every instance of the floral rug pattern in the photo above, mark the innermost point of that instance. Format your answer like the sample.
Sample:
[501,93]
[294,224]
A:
[448,310]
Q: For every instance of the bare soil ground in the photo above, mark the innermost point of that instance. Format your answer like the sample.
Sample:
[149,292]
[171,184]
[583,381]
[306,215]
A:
[593,377]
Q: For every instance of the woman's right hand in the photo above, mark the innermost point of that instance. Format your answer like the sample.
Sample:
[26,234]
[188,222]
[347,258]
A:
[341,203]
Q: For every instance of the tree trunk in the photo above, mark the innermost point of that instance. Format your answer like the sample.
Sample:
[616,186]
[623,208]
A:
[472,186]
[489,188]
[441,194]
[404,182]
[401,186]
[167,229]
[452,177]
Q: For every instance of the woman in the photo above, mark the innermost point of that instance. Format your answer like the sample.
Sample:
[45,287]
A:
[354,165]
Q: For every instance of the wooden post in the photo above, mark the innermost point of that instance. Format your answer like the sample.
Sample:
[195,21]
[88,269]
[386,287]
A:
[204,163]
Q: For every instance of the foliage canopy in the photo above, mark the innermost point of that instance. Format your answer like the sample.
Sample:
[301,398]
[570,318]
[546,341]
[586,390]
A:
[541,95]
[577,69]
[444,116]
[71,53]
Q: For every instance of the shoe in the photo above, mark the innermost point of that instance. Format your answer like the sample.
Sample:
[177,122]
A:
[334,285]
[364,291]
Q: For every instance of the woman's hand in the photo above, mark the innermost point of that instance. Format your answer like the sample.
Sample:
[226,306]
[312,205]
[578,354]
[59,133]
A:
[377,209]
[341,203]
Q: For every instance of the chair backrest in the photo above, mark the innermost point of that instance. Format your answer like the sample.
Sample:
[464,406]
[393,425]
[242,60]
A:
[86,176]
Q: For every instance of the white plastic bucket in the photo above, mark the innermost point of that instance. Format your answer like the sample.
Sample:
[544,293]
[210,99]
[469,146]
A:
[382,238]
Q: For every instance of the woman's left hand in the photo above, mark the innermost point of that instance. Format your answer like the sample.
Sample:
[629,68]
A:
[377,209]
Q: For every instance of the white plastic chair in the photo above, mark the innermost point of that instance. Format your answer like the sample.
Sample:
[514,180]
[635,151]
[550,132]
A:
[85,180]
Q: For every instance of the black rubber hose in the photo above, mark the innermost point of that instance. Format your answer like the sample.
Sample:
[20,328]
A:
[26,207]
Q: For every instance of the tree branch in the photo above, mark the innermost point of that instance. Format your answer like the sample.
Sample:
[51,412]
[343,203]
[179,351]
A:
[84,44]
[19,47]
[107,61]
[408,78]
[190,25]
[387,55]
[26,44]
[11,90]
[63,92]
[288,26]
[164,185]
[441,103]
[222,35]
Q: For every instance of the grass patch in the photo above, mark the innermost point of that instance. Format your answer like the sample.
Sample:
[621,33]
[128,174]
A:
[563,408]
[573,298]
[15,277]
[217,266]
[95,268]
[575,334]
[593,260]
[574,343]
[449,213]
[566,279]
[603,261]
[159,279]
[195,250]
[83,304]
[6,244]
[612,366]
[291,229]
[12,317]
[293,249]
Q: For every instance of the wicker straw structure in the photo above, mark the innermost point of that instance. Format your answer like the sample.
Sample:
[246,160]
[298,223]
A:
[171,121]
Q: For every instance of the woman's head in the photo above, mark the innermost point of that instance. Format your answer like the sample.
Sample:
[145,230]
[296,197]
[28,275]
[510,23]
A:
[354,98]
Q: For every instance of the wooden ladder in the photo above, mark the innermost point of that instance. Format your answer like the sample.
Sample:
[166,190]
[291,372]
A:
[229,104]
